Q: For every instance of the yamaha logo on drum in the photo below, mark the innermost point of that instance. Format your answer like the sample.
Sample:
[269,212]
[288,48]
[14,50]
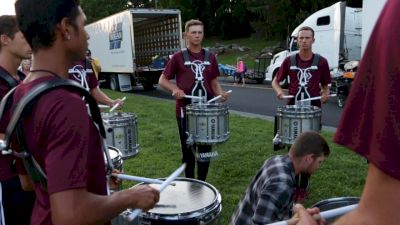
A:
[295,129]
[212,133]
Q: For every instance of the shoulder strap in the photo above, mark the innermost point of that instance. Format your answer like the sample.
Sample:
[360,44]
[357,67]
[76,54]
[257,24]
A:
[293,61]
[186,59]
[316,59]
[206,57]
[28,100]
[4,75]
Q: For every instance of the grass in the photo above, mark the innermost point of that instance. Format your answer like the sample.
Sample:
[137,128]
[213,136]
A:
[342,174]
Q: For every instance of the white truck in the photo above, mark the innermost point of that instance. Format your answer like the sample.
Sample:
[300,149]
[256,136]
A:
[341,33]
[133,45]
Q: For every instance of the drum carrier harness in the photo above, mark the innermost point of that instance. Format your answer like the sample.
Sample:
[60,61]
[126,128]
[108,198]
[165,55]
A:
[199,90]
[4,75]
[25,107]
[197,67]
[303,76]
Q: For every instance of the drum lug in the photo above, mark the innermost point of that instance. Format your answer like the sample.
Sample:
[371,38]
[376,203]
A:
[277,139]
[189,140]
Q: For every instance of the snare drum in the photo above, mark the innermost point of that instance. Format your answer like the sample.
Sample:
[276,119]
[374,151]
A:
[115,156]
[334,203]
[116,160]
[292,120]
[208,123]
[121,132]
[189,202]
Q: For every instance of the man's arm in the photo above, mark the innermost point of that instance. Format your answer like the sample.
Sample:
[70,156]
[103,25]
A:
[277,88]
[102,98]
[216,87]
[169,86]
[324,93]
[271,202]
[77,206]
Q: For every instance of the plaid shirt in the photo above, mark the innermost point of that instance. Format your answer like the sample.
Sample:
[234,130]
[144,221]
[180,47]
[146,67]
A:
[269,198]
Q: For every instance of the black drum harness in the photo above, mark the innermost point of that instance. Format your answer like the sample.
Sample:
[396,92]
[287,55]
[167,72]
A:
[25,106]
[303,76]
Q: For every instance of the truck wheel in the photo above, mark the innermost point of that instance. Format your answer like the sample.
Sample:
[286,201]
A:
[114,84]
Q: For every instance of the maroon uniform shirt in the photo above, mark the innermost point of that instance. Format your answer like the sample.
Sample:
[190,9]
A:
[370,123]
[65,143]
[185,77]
[321,76]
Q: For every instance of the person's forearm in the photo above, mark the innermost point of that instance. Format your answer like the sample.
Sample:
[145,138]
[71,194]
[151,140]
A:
[88,208]
[277,88]
[101,97]
[325,89]
[166,84]
[216,87]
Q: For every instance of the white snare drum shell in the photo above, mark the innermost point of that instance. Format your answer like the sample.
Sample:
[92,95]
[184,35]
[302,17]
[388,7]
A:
[208,123]
[121,132]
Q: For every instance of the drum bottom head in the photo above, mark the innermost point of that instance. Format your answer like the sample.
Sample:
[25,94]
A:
[334,203]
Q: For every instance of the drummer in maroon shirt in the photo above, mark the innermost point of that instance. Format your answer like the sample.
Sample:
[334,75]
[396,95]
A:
[59,132]
[185,83]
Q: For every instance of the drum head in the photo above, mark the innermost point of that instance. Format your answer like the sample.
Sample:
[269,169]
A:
[187,196]
[334,203]
[118,116]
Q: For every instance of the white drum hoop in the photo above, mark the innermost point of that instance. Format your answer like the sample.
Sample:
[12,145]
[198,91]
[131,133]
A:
[208,123]
[121,132]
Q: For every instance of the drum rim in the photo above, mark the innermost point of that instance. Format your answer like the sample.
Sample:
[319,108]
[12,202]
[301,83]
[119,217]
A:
[215,205]
[204,107]
[336,200]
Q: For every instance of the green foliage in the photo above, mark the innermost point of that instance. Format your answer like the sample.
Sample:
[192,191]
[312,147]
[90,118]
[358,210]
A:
[229,19]
[249,145]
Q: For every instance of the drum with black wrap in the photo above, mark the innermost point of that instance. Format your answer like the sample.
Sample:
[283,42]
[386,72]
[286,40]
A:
[187,202]
[208,123]
[335,203]
[121,132]
[292,120]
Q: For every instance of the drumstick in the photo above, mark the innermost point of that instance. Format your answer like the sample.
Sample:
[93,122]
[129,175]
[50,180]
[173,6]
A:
[164,184]
[218,97]
[116,105]
[103,106]
[315,98]
[287,96]
[138,179]
[328,214]
[192,96]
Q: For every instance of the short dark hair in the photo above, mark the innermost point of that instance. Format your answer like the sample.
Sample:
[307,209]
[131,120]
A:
[310,142]
[192,23]
[37,19]
[8,26]
[306,28]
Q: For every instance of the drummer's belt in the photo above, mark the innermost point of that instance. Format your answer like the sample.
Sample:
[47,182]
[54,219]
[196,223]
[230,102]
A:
[25,107]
